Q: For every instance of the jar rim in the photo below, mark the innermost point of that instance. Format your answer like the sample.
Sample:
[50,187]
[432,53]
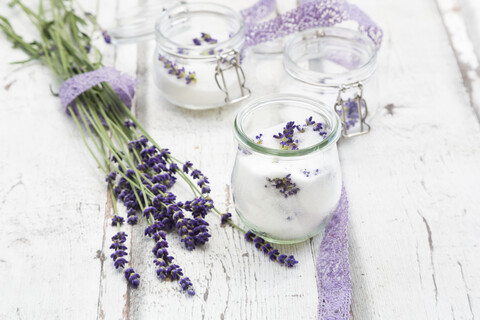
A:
[198,52]
[320,107]
[322,79]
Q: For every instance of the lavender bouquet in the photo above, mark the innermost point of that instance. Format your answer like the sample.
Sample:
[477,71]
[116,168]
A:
[139,172]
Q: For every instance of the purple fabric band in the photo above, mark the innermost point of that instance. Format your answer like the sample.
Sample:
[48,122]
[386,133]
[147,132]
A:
[122,84]
[310,14]
[334,287]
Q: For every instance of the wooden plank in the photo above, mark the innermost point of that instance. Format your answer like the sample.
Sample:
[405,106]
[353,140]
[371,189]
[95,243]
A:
[51,201]
[411,181]
[114,293]
[465,42]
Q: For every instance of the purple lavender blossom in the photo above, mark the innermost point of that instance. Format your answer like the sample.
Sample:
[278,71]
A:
[226,217]
[120,250]
[259,138]
[106,37]
[267,249]
[132,277]
[352,116]
[208,38]
[187,285]
[117,221]
[284,185]
[177,71]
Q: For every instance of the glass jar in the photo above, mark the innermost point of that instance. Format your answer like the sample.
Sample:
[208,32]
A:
[286,196]
[332,65]
[198,55]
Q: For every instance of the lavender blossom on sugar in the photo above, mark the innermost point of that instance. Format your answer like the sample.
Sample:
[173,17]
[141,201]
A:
[284,185]
[207,38]
[259,139]
[319,127]
[178,72]
[286,137]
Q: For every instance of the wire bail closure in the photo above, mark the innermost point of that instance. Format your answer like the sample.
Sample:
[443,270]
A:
[343,108]
[225,62]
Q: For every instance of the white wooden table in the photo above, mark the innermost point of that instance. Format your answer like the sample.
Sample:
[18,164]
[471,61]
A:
[413,185]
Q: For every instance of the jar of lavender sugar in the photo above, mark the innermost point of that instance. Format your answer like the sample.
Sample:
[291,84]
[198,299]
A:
[198,55]
[286,181]
[332,65]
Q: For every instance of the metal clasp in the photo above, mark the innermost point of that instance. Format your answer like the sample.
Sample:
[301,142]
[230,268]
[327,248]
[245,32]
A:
[352,111]
[227,61]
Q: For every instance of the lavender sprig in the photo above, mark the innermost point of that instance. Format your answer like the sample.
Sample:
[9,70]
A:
[267,249]
[175,70]
[284,185]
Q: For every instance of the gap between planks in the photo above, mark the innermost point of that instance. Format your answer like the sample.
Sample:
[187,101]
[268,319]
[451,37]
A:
[462,45]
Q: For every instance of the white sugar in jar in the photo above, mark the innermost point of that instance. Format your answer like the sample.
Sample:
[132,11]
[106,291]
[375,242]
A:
[286,182]
[198,55]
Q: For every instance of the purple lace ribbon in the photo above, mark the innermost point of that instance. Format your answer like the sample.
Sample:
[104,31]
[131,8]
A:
[122,84]
[334,287]
[309,14]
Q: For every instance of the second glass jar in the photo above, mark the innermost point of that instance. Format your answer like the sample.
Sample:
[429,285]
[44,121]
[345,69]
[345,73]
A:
[198,55]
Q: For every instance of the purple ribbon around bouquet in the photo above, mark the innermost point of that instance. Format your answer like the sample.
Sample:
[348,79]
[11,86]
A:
[334,286]
[122,84]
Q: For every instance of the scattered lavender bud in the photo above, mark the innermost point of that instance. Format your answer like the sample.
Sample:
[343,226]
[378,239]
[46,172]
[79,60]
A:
[106,37]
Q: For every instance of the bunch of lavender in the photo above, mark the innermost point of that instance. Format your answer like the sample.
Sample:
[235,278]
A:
[139,173]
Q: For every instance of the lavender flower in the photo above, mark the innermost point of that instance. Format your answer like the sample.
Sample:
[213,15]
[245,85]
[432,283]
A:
[259,138]
[187,285]
[284,185]
[111,177]
[117,221]
[191,78]
[177,71]
[267,249]
[119,247]
[286,137]
[204,37]
[207,38]
[352,115]
[226,217]
[132,277]
[106,37]
[319,127]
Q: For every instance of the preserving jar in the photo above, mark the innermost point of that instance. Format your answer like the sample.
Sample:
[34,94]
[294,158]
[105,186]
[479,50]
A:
[284,193]
[198,55]
[332,64]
